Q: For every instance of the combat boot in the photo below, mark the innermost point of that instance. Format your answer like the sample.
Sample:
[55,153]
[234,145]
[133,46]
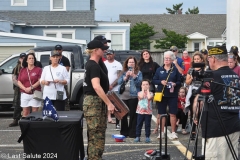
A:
[14,123]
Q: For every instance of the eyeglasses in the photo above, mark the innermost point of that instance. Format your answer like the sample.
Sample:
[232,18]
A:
[231,56]
[167,59]
[209,57]
[172,50]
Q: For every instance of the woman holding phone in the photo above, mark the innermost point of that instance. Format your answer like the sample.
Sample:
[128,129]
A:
[132,77]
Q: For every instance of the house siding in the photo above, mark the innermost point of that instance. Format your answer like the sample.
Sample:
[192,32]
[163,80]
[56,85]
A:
[117,29]
[5,26]
[44,5]
[38,43]
[17,29]
[80,33]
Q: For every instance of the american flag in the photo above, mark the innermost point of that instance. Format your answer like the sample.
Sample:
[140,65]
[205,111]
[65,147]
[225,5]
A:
[49,110]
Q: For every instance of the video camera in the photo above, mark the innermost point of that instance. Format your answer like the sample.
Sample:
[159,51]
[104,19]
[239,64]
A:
[200,75]
[204,76]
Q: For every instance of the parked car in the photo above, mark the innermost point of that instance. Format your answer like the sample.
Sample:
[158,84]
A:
[122,55]
[76,72]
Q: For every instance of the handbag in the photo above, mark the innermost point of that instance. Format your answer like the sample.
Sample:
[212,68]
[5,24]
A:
[158,95]
[122,87]
[38,95]
[59,94]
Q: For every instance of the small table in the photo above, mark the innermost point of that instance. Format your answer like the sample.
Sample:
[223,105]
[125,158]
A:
[60,140]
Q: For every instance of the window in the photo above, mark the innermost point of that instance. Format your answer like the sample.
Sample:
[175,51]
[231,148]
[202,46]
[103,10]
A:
[51,35]
[18,2]
[117,37]
[44,59]
[117,41]
[211,43]
[219,43]
[9,65]
[68,34]
[58,5]
[196,46]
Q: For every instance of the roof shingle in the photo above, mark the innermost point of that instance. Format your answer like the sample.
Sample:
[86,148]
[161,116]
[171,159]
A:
[49,17]
[211,25]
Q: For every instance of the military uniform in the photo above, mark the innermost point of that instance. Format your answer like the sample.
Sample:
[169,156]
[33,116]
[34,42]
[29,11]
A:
[95,110]
[17,95]
[16,104]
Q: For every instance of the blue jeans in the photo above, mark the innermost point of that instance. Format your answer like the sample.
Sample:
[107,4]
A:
[140,119]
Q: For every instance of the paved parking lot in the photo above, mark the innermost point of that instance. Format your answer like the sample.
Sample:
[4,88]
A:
[126,150]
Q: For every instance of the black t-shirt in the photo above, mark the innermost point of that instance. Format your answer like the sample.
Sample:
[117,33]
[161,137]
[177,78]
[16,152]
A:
[64,61]
[93,70]
[148,70]
[227,102]
[103,66]
[38,64]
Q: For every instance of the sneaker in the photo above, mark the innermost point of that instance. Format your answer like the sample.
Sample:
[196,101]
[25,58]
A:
[137,139]
[117,127]
[174,136]
[163,136]
[147,140]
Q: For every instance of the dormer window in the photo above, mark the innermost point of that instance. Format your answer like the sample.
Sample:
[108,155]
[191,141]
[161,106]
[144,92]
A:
[57,5]
[18,2]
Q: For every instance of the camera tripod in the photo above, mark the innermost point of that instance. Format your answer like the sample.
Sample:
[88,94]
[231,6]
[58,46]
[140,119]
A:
[210,99]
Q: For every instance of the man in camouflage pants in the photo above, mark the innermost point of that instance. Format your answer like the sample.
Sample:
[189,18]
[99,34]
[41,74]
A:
[17,94]
[95,112]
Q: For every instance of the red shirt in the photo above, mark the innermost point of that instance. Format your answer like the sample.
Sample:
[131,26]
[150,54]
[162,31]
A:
[187,64]
[236,69]
[34,74]
[181,102]
[103,59]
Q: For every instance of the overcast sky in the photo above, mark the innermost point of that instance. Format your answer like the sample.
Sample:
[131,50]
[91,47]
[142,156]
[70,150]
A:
[109,10]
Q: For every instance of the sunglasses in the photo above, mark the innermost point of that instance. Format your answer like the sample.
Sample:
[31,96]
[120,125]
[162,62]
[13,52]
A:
[231,56]
[172,50]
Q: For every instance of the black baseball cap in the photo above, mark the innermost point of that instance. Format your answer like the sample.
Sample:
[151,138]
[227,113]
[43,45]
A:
[234,49]
[58,47]
[96,44]
[22,55]
[109,51]
[204,51]
[102,39]
[217,50]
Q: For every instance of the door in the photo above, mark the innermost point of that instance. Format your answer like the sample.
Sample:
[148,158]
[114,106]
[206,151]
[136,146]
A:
[6,89]
[7,51]
[197,46]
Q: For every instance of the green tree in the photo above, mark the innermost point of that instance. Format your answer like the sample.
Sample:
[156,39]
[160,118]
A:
[139,36]
[171,39]
[176,9]
[192,11]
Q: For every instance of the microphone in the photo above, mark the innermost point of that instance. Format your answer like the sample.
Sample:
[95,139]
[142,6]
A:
[198,65]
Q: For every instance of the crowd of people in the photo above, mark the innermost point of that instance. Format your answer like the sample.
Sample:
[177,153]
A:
[177,78]
[28,76]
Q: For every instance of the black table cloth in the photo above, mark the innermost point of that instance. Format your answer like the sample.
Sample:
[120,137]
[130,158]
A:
[62,140]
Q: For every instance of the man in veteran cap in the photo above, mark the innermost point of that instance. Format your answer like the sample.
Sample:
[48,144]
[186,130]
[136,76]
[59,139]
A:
[216,144]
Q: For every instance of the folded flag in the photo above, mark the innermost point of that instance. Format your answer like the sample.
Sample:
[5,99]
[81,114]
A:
[49,110]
